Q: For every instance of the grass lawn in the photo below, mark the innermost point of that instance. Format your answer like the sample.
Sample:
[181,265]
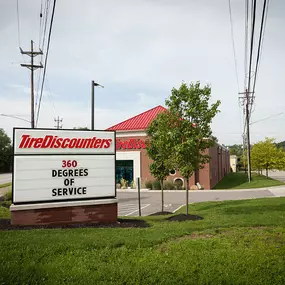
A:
[238,242]
[239,180]
[5,184]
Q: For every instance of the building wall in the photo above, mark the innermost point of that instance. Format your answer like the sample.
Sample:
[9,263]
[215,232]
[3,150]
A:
[208,176]
[219,164]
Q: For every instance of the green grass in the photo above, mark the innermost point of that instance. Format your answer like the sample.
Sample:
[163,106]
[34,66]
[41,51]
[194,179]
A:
[5,185]
[239,180]
[238,242]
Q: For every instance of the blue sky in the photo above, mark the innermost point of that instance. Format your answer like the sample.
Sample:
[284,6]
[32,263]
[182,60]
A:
[139,50]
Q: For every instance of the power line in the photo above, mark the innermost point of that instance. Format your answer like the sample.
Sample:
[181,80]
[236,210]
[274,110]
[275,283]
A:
[18,21]
[260,42]
[261,36]
[233,42]
[246,41]
[44,74]
[251,43]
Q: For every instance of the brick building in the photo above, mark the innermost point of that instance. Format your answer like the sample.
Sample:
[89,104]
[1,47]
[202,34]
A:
[132,160]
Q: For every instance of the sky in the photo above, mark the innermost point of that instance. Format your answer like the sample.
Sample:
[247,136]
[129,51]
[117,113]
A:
[139,50]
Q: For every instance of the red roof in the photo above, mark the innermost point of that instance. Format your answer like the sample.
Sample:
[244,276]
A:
[138,122]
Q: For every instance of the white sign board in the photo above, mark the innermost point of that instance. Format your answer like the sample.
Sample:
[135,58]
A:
[60,165]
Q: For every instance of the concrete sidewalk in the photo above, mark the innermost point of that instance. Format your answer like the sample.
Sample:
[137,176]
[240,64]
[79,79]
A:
[278,191]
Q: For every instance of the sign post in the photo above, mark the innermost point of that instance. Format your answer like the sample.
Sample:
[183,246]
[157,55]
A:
[139,194]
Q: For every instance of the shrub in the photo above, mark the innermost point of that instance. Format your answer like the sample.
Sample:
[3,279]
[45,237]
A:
[167,185]
[148,184]
[124,183]
[133,185]
[156,185]
[8,196]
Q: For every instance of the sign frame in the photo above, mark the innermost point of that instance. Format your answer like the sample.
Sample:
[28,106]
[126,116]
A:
[53,154]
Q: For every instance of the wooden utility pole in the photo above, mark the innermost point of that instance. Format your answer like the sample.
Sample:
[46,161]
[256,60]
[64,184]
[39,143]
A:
[246,102]
[32,67]
[58,121]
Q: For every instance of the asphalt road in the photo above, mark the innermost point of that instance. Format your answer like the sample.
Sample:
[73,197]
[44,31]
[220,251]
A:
[151,201]
[5,178]
[278,175]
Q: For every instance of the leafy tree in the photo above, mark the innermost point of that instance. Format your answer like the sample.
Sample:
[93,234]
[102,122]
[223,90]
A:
[191,135]
[266,155]
[5,152]
[159,148]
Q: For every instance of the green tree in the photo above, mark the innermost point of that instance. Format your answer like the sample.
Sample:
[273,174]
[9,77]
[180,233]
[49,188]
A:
[5,152]
[266,155]
[191,134]
[160,148]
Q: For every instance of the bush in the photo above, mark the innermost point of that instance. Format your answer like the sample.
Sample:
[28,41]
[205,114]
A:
[8,196]
[156,185]
[167,185]
[7,200]
[148,184]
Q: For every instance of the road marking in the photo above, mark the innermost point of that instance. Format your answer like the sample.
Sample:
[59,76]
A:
[178,208]
[137,210]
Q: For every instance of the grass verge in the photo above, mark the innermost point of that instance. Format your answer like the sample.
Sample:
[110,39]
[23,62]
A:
[5,185]
[239,180]
[237,242]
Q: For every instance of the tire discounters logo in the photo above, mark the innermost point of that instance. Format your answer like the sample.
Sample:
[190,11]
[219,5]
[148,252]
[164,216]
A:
[50,141]
[40,141]
[130,144]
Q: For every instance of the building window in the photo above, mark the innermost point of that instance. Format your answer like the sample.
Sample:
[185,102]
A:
[172,172]
[124,170]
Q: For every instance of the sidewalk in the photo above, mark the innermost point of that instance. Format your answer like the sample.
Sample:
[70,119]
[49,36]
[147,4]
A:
[278,191]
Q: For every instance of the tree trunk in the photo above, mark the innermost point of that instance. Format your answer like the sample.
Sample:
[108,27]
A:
[266,172]
[162,196]
[261,172]
[187,196]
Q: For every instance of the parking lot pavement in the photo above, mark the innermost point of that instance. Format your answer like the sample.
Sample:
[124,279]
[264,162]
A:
[173,200]
[5,178]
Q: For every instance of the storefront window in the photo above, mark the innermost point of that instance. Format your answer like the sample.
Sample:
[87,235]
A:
[124,169]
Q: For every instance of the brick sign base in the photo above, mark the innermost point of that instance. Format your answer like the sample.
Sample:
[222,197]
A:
[64,213]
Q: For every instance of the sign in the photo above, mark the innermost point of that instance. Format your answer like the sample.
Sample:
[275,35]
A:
[130,144]
[60,165]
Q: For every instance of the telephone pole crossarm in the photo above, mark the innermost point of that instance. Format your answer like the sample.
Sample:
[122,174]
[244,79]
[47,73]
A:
[32,67]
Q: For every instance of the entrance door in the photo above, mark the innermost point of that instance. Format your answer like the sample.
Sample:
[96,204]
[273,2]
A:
[125,170]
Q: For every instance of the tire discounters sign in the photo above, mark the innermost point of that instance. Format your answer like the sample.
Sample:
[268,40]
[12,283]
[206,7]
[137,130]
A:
[58,165]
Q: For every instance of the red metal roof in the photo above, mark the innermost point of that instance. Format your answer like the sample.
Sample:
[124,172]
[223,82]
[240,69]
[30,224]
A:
[138,122]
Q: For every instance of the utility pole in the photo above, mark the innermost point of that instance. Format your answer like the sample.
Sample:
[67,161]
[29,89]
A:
[58,122]
[32,67]
[93,85]
[247,101]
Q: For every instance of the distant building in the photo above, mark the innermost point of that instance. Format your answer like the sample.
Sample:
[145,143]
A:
[132,160]
[233,163]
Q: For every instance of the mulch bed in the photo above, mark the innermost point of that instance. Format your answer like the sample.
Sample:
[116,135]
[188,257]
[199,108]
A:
[121,223]
[161,213]
[184,217]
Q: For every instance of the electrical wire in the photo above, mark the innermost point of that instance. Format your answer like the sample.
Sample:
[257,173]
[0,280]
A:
[251,44]
[45,65]
[233,42]
[18,22]
[260,45]
[246,41]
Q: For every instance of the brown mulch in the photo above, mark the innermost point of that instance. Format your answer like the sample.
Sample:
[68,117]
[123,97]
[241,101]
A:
[121,223]
[161,213]
[184,217]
